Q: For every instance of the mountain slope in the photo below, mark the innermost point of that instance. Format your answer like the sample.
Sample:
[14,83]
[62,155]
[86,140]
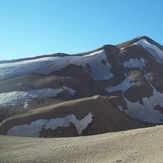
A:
[93,115]
[128,77]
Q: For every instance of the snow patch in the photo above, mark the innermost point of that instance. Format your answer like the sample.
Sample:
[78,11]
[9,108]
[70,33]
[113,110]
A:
[69,90]
[146,111]
[48,64]
[135,63]
[17,98]
[33,129]
[123,86]
[99,71]
[152,49]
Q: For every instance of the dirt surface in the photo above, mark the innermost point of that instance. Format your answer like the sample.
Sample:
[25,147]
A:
[140,145]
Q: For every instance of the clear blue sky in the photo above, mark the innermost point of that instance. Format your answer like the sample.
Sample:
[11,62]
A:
[36,27]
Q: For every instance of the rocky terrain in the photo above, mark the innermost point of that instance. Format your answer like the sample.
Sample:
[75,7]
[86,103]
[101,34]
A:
[139,145]
[113,88]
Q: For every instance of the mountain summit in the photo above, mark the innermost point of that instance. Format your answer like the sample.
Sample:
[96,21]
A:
[112,88]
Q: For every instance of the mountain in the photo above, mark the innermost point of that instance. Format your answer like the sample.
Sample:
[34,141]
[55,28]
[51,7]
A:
[113,88]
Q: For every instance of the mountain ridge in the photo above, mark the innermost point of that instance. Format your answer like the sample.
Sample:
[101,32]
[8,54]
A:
[127,76]
[82,53]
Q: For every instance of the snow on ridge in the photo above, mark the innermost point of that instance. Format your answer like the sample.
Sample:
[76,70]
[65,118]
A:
[48,64]
[33,129]
[152,49]
[17,98]
[26,66]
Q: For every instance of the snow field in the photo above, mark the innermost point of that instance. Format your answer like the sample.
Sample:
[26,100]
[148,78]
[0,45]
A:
[146,111]
[33,129]
[46,65]
[135,63]
[126,84]
[17,98]
[123,86]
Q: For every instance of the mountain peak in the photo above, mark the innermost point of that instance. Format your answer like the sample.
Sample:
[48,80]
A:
[83,94]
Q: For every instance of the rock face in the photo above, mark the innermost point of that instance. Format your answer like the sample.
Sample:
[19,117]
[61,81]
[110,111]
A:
[109,89]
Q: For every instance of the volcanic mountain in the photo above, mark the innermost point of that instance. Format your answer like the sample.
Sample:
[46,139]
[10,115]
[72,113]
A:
[113,88]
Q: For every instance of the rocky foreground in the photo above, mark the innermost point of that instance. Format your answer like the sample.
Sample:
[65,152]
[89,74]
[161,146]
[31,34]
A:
[140,145]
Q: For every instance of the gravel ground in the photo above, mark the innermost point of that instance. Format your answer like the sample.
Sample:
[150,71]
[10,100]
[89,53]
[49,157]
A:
[140,145]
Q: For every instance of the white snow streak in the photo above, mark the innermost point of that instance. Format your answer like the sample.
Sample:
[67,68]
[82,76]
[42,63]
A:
[135,63]
[123,86]
[46,65]
[99,71]
[152,49]
[17,98]
[146,111]
[69,90]
[126,84]
[33,129]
